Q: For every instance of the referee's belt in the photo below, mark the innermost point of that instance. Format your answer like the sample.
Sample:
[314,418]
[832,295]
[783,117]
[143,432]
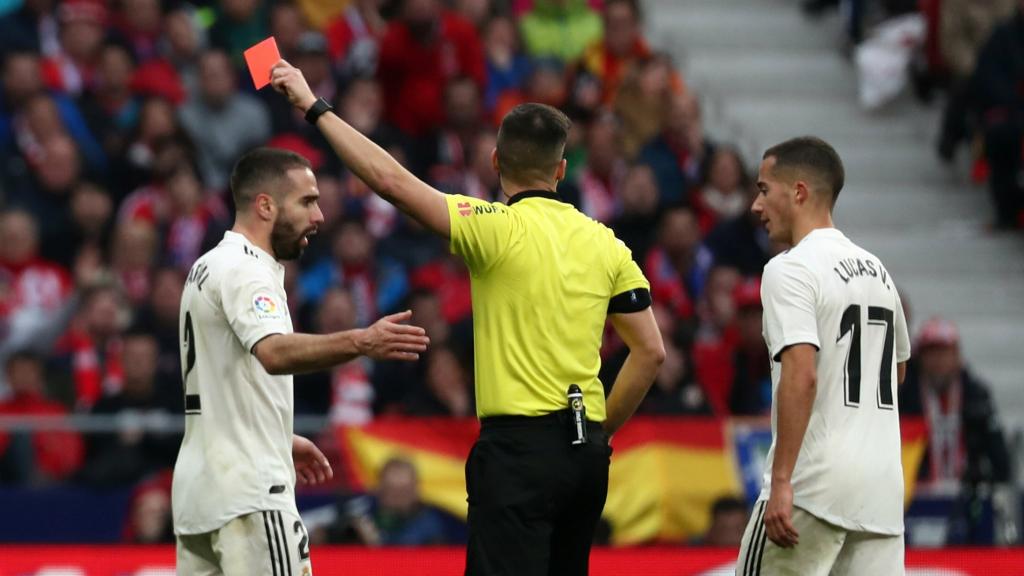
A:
[559,419]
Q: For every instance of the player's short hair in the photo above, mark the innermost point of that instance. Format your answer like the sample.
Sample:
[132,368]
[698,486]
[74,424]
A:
[531,141]
[258,172]
[812,157]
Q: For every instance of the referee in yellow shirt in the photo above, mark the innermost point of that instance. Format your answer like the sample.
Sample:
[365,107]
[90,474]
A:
[545,278]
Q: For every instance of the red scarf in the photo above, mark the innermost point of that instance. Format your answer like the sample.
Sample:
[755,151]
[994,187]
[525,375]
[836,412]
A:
[94,375]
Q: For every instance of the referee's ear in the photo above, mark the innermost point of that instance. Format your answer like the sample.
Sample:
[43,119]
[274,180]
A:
[560,172]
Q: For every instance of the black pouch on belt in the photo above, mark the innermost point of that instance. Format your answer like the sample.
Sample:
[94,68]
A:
[578,411]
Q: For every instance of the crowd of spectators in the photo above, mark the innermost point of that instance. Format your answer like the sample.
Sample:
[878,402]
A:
[119,124]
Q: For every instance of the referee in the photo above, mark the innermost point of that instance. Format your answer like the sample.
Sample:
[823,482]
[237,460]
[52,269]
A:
[544,280]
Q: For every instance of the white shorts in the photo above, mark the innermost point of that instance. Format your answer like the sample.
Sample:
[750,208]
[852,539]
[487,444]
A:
[271,543]
[824,550]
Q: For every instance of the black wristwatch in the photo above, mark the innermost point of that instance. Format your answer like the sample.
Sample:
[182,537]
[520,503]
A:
[317,110]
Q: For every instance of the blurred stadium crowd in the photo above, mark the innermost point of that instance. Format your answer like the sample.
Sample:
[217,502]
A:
[119,125]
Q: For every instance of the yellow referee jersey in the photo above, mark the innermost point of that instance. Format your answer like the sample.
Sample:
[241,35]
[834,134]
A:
[542,274]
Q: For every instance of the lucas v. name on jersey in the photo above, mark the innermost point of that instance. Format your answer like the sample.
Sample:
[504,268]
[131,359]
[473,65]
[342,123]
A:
[849,268]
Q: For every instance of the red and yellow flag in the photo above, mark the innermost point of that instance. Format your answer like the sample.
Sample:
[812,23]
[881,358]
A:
[665,475]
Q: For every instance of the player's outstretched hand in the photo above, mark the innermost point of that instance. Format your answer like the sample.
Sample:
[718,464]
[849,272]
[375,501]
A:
[389,339]
[778,516]
[311,466]
[288,80]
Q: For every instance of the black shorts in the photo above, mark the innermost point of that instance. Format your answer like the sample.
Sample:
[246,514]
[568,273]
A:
[534,499]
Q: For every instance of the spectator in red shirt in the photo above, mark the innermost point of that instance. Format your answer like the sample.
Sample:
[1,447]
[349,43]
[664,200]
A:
[186,217]
[420,52]
[91,349]
[82,30]
[351,393]
[717,338]
[752,386]
[34,292]
[354,38]
[448,279]
[185,43]
[678,265]
[133,258]
[140,23]
[37,457]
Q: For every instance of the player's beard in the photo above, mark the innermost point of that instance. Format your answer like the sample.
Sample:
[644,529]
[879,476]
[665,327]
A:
[286,240]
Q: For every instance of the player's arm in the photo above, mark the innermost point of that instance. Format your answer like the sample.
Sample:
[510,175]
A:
[794,400]
[789,293]
[386,339]
[640,332]
[901,373]
[633,320]
[381,172]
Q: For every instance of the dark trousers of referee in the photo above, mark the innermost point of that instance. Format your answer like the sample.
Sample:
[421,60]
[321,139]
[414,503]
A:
[534,498]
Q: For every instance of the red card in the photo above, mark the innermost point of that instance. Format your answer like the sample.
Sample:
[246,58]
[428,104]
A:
[261,58]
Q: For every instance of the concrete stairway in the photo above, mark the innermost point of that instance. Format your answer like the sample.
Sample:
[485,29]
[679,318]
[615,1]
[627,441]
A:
[765,74]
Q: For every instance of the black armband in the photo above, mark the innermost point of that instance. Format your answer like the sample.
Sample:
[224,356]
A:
[633,300]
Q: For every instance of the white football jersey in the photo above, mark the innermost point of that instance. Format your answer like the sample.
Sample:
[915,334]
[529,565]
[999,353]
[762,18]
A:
[236,457]
[830,293]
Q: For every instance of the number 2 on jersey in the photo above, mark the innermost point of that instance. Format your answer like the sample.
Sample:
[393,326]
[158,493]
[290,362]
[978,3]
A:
[851,324]
[192,403]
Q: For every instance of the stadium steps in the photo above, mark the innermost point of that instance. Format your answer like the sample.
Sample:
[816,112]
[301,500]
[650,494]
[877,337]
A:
[765,73]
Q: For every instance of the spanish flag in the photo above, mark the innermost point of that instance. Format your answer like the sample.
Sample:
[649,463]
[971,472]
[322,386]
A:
[665,475]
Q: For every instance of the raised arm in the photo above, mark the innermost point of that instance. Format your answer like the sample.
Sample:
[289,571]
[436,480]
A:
[378,169]
[386,339]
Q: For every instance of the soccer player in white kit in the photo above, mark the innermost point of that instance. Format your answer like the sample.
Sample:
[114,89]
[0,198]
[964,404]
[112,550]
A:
[832,500]
[233,495]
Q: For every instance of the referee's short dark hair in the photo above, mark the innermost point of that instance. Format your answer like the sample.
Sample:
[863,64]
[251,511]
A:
[815,158]
[257,170]
[531,141]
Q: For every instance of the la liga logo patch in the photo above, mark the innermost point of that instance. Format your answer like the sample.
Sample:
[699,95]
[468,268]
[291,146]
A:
[266,306]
